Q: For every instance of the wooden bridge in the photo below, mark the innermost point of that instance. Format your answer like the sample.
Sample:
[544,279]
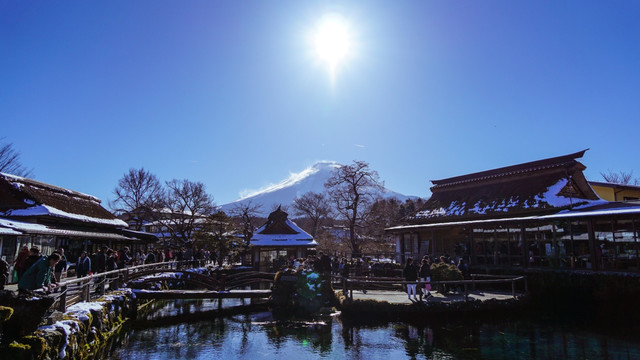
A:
[235,286]
[73,291]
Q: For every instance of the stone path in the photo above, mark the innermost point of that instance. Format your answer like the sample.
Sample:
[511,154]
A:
[397,297]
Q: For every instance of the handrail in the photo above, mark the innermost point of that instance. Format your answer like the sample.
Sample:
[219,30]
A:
[350,283]
[72,291]
[80,289]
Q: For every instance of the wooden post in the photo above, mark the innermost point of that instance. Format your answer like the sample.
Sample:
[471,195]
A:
[103,281]
[513,288]
[635,240]
[472,248]
[466,292]
[594,247]
[62,305]
[86,289]
[525,246]
[473,282]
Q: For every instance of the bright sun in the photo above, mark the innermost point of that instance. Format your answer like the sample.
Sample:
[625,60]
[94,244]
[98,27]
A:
[332,41]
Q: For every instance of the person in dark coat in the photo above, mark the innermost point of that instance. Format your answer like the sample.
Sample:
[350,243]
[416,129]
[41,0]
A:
[61,266]
[151,258]
[425,276]
[34,256]
[346,268]
[4,273]
[112,260]
[40,274]
[124,259]
[83,266]
[18,265]
[411,274]
[324,264]
[464,269]
[101,260]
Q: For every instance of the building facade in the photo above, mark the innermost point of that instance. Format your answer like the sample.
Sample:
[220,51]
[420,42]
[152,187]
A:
[279,239]
[538,214]
[33,213]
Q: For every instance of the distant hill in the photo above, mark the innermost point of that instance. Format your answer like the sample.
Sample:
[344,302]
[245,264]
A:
[310,179]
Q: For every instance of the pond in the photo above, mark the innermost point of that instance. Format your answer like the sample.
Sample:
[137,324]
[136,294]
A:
[259,336]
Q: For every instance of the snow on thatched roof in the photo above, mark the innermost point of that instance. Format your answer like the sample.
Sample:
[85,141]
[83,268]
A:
[280,231]
[535,188]
[22,197]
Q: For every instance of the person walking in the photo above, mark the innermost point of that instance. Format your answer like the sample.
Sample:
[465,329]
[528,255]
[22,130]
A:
[425,276]
[83,266]
[411,275]
[61,266]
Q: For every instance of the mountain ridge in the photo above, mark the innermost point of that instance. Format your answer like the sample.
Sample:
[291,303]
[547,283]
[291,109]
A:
[284,192]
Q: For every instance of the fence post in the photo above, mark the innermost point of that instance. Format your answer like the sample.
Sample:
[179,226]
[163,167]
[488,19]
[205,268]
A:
[115,281]
[473,282]
[86,289]
[466,292]
[103,281]
[62,305]
[513,288]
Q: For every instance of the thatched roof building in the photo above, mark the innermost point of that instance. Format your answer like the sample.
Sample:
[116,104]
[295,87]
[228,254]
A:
[533,188]
[279,238]
[538,213]
[33,213]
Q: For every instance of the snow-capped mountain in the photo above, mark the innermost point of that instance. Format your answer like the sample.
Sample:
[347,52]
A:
[283,193]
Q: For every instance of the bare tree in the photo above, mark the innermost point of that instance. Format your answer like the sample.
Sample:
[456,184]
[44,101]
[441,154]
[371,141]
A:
[188,204]
[216,233]
[314,206]
[620,177]
[247,215]
[139,194]
[352,189]
[10,161]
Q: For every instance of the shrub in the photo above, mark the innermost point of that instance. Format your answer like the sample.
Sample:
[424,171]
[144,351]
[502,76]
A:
[445,272]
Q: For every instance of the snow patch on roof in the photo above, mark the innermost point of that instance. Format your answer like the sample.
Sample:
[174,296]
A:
[549,198]
[300,238]
[46,210]
[19,181]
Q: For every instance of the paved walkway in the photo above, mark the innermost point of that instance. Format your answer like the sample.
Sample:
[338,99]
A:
[398,297]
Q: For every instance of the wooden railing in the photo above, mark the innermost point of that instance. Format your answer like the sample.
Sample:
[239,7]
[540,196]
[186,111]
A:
[370,283]
[73,291]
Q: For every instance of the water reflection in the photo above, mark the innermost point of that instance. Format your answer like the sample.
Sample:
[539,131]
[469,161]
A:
[259,336]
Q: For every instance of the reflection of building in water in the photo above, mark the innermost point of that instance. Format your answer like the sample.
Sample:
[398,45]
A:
[538,214]
[278,239]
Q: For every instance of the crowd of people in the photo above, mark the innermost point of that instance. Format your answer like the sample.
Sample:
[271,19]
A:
[416,274]
[323,263]
[35,271]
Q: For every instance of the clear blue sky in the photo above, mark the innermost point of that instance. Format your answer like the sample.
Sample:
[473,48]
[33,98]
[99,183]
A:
[230,93]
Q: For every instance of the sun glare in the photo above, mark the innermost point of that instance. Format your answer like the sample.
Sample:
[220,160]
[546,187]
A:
[332,41]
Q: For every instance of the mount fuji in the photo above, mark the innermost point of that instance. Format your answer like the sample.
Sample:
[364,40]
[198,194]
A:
[310,179]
